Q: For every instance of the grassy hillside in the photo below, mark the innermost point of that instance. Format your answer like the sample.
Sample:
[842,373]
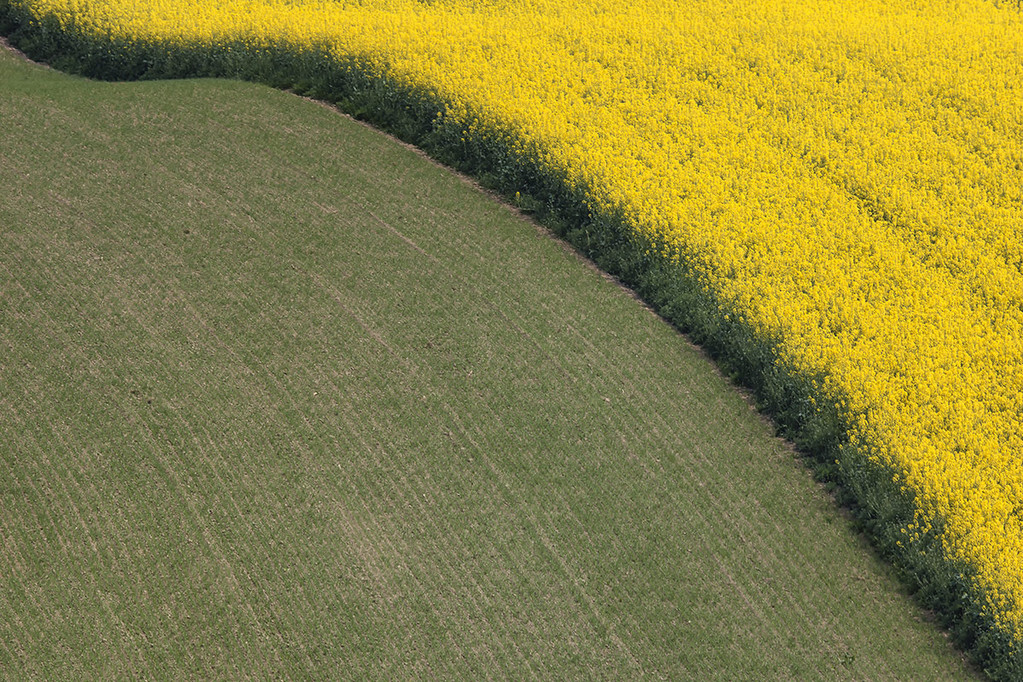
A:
[280,398]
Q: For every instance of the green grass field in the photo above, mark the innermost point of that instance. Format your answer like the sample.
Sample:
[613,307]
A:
[280,398]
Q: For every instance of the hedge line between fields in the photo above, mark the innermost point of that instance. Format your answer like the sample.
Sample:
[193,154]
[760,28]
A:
[877,505]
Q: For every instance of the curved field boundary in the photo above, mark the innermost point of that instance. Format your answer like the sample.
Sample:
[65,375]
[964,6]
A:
[674,290]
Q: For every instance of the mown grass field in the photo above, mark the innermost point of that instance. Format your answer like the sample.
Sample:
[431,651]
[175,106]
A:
[279,398]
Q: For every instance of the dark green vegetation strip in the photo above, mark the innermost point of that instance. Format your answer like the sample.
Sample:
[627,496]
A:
[279,398]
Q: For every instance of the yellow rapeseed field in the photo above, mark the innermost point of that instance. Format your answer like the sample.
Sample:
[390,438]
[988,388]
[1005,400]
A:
[845,175]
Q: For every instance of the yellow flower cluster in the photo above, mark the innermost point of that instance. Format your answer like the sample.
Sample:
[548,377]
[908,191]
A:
[846,174]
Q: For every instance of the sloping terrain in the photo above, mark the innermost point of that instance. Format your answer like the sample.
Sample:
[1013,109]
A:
[280,398]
